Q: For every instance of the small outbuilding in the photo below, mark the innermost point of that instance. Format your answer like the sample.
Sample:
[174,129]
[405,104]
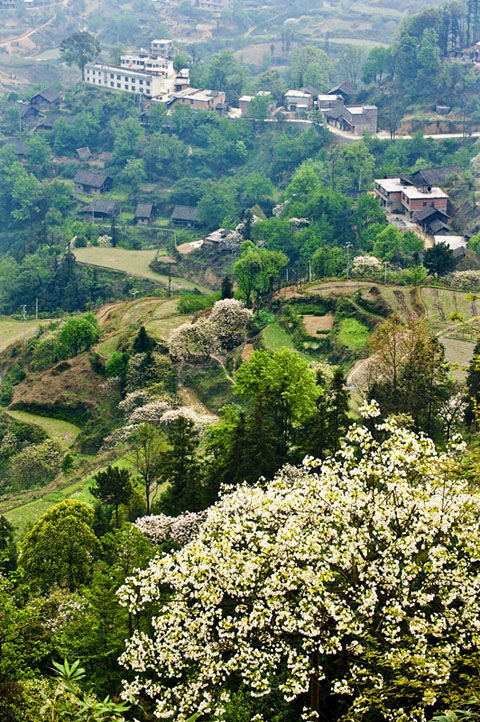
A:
[143,214]
[83,153]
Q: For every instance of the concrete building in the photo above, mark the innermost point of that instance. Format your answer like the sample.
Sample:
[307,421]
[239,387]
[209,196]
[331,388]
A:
[199,99]
[397,195]
[163,47]
[297,101]
[126,80]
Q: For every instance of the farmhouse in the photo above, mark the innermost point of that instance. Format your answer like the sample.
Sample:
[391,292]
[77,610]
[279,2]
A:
[457,244]
[143,214]
[432,221]
[46,100]
[401,196]
[86,181]
[345,89]
[185,216]
[199,99]
[100,209]
[83,153]
[297,101]
[161,47]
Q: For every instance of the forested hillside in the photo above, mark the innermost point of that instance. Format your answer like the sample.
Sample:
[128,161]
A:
[239,361]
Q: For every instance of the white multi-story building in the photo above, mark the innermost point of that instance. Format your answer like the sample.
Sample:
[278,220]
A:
[162,47]
[152,77]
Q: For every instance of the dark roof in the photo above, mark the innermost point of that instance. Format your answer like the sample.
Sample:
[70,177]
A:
[335,113]
[347,87]
[184,213]
[89,178]
[24,109]
[433,176]
[51,95]
[437,226]
[313,91]
[427,212]
[50,120]
[100,205]
[143,210]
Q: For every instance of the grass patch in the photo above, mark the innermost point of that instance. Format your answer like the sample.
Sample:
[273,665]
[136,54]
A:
[134,263]
[275,337]
[11,330]
[352,333]
[60,431]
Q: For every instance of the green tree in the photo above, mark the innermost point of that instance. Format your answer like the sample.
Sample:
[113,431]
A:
[286,386]
[79,48]
[259,105]
[149,446]
[112,486]
[328,261]
[181,469]
[439,259]
[61,547]
[127,137]
[8,549]
[309,66]
[142,343]
[77,335]
[133,175]
[256,271]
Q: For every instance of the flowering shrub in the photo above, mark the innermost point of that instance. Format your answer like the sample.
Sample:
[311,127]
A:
[181,529]
[223,329]
[133,400]
[357,577]
[366,266]
[35,465]
[151,413]
[463,280]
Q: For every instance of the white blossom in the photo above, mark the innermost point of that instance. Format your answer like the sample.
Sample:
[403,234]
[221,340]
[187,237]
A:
[360,572]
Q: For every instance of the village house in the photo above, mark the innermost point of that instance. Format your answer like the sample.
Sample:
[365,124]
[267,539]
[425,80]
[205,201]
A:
[457,244]
[28,115]
[299,102]
[100,209]
[212,5]
[345,89]
[223,239]
[143,214]
[432,221]
[326,102]
[199,99]
[46,100]
[397,195]
[184,216]
[86,181]
[83,153]
[48,122]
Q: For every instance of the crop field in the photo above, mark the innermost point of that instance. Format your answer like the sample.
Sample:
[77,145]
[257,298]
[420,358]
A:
[133,263]
[353,333]
[275,337]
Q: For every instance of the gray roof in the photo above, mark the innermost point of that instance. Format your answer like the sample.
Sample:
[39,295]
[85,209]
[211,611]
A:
[51,95]
[101,205]
[335,113]
[433,176]
[425,213]
[143,210]
[24,109]
[347,87]
[89,178]
[50,120]
[18,145]
[436,226]
[184,213]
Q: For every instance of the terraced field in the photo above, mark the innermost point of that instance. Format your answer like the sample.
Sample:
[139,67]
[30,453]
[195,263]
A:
[12,330]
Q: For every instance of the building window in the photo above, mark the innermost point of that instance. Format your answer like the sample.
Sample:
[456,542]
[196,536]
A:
[424,203]
[112,84]
[111,75]
[118,85]
[118,77]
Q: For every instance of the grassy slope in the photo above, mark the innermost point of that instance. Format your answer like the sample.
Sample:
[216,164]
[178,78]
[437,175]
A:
[11,330]
[63,432]
[134,263]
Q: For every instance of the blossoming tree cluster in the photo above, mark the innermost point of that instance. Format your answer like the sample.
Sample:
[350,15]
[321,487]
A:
[221,331]
[350,587]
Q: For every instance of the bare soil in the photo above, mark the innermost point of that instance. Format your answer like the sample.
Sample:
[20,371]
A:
[314,324]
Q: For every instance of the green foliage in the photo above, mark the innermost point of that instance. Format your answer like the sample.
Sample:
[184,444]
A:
[192,302]
[256,271]
[117,365]
[68,562]
[79,48]
[439,259]
[77,335]
[113,486]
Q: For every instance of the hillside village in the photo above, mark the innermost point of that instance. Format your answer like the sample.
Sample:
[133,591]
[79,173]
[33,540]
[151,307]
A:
[239,361]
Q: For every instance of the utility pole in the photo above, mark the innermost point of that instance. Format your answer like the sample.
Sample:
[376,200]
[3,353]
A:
[134,292]
[347,248]
[24,309]
[36,309]
[309,271]
[385,275]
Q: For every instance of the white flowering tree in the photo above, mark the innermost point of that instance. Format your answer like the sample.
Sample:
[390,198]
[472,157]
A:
[350,587]
[366,266]
[229,318]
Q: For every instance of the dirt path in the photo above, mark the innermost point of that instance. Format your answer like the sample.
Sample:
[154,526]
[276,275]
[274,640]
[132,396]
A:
[400,298]
[221,362]
[474,312]
[269,20]
[29,33]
